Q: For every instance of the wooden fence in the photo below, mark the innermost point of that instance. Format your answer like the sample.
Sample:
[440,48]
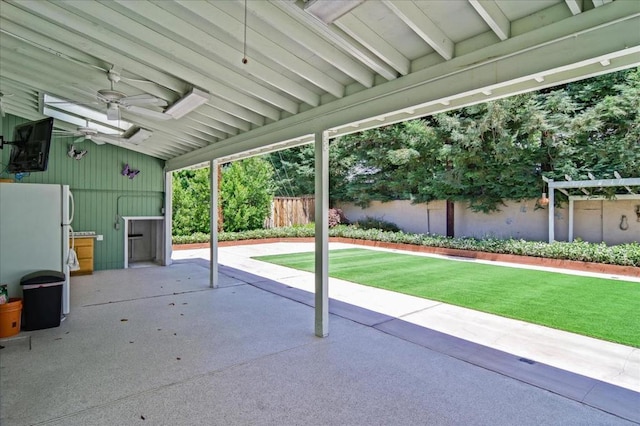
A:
[288,211]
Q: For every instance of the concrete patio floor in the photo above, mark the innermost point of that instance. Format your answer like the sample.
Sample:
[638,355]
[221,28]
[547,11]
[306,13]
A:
[156,345]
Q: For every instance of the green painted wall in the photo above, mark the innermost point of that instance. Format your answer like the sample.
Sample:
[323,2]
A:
[100,191]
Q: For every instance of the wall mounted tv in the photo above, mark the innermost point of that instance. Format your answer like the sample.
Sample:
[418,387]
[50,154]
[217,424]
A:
[30,146]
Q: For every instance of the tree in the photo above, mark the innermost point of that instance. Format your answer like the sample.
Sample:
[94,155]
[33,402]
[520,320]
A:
[246,192]
[294,171]
[377,162]
[191,198]
[604,135]
[488,153]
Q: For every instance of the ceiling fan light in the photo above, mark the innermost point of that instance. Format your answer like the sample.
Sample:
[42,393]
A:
[188,103]
[112,111]
[137,135]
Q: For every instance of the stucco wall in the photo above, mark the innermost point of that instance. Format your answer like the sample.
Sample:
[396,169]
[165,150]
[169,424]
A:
[417,218]
[594,221]
[601,220]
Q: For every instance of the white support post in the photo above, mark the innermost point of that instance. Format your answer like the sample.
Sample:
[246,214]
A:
[213,224]
[552,202]
[168,209]
[571,201]
[322,234]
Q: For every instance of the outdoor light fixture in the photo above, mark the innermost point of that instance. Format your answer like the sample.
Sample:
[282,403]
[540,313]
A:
[543,201]
[188,103]
[137,135]
[329,10]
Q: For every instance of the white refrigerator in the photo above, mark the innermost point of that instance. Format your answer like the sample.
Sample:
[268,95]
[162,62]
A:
[35,221]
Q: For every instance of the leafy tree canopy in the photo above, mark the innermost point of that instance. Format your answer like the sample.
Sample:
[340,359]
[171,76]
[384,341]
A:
[246,192]
[487,153]
[191,201]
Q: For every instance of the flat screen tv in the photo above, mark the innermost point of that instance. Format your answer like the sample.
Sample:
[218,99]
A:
[30,146]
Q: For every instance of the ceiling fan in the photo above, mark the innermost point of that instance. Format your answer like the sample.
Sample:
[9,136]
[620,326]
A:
[86,133]
[117,101]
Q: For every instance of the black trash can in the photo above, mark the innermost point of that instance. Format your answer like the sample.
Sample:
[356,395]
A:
[41,299]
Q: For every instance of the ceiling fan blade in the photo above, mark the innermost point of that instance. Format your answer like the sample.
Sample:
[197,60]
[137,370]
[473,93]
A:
[101,139]
[144,99]
[147,112]
[66,133]
[80,139]
[71,103]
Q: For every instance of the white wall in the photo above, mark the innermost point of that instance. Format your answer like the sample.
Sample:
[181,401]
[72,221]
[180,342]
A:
[600,220]
[514,220]
[427,218]
[594,221]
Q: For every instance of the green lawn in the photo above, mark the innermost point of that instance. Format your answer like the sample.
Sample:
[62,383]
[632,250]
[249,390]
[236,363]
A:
[605,309]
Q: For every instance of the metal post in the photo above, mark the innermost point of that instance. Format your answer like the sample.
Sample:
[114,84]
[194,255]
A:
[213,224]
[322,234]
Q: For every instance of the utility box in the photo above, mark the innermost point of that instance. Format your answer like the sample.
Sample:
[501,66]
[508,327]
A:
[42,299]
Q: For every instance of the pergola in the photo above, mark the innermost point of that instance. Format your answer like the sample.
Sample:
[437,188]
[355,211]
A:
[243,78]
[584,185]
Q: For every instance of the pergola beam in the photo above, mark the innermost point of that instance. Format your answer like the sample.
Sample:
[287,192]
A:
[601,183]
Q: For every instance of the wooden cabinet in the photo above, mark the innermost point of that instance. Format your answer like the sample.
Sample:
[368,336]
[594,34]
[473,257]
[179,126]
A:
[84,251]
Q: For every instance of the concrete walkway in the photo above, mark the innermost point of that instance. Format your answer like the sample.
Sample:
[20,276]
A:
[608,362]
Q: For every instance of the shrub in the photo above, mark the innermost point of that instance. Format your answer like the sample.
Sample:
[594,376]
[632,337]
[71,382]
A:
[335,217]
[376,223]
[246,191]
[623,254]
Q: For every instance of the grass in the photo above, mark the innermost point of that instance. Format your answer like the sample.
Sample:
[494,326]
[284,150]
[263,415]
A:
[600,308]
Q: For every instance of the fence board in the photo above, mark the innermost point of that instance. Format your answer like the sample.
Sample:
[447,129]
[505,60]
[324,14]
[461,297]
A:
[289,211]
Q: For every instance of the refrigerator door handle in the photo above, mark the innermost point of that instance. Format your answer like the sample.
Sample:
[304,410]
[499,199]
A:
[73,207]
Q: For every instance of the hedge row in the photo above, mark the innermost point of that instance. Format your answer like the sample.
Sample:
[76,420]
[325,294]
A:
[623,254]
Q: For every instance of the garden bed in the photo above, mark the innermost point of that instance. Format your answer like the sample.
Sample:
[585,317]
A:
[630,271]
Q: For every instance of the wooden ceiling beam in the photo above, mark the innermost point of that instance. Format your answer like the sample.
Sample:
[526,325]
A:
[123,47]
[339,39]
[423,26]
[306,37]
[493,16]
[226,19]
[162,51]
[357,29]
[575,6]
[164,22]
